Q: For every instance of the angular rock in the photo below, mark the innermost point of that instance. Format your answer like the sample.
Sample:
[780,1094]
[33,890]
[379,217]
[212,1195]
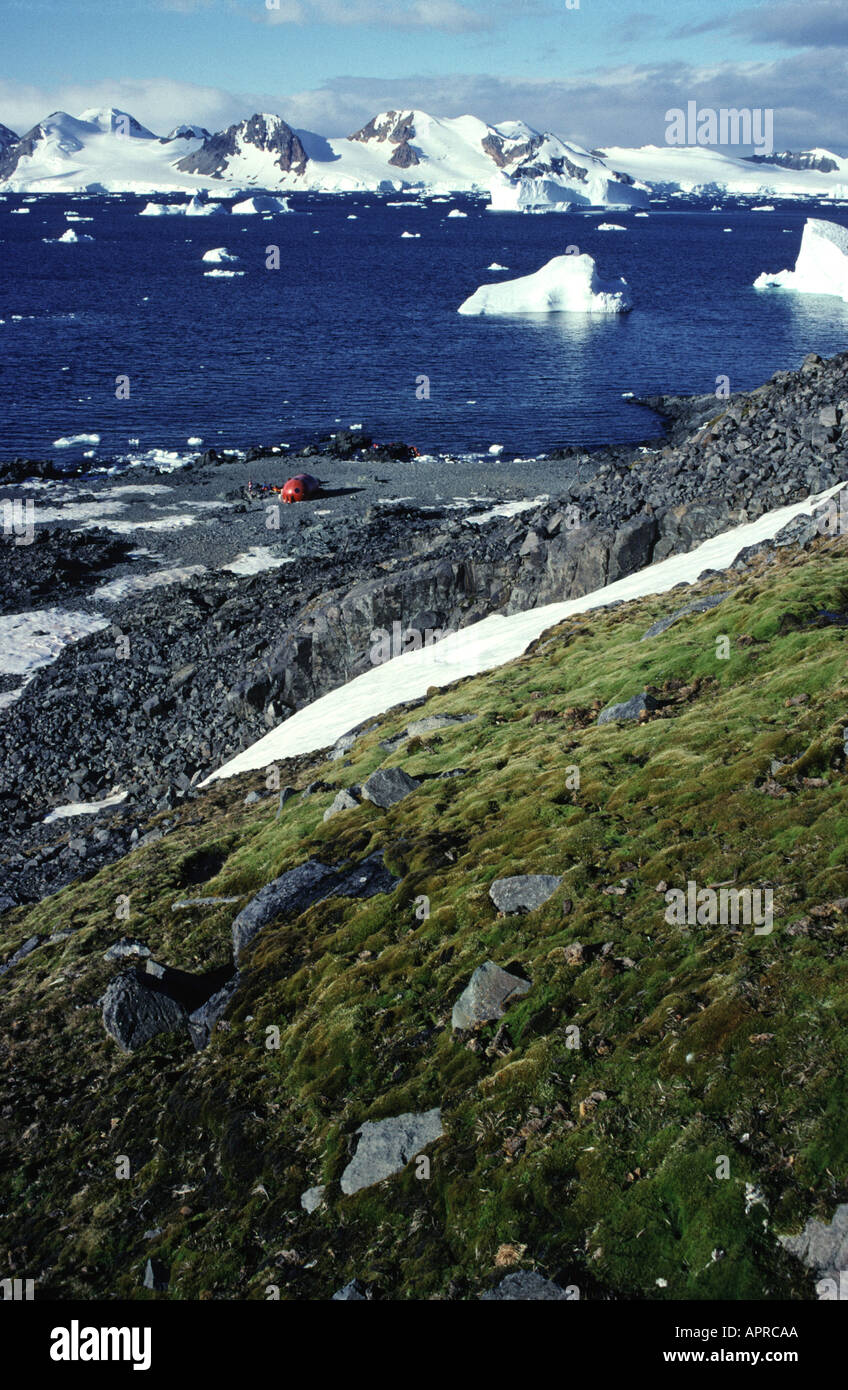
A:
[343,801]
[201,1022]
[386,1146]
[629,709]
[352,1292]
[155,1276]
[293,892]
[526,1286]
[312,1198]
[388,785]
[486,995]
[523,892]
[126,947]
[21,953]
[134,1011]
[425,726]
[699,605]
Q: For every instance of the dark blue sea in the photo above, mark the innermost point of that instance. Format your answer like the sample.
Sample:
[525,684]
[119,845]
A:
[356,314]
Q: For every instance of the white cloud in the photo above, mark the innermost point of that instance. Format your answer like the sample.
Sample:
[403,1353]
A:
[608,106]
[446,15]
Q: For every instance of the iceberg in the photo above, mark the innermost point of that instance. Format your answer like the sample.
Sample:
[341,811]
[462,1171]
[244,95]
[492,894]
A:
[822,264]
[568,283]
[218,255]
[261,203]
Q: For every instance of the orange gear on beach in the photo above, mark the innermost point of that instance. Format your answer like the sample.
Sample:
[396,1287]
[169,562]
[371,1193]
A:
[300,487]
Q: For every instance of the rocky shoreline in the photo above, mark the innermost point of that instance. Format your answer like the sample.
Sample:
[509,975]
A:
[182,677]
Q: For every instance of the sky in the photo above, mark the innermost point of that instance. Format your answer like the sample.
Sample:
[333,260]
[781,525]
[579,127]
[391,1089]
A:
[600,72]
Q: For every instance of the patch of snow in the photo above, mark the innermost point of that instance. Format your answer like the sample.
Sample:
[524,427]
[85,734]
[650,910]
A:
[34,639]
[83,808]
[257,559]
[117,589]
[485,645]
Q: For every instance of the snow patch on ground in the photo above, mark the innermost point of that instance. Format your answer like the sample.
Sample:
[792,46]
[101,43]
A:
[83,808]
[257,559]
[116,589]
[485,645]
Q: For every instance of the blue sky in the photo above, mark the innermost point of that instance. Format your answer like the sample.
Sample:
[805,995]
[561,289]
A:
[601,72]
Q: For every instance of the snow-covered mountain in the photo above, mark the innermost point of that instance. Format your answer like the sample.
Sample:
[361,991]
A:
[670,169]
[102,151]
[521,169]
[107,150]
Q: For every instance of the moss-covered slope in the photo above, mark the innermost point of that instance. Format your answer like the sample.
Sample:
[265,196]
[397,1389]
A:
[585,1132]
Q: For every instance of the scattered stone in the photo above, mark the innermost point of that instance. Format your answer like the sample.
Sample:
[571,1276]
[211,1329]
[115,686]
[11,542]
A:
[386,1146]
[388,785]
[525,1286]
[633,708]
[312,1198]
[425,726]
[251,798]
[351,1292]
[343,801]
[523,892]
[135,1011]
[297,889]
[201,902]
[21,953]
[155,1276]
[201,1023]
[127,946]
[285,795]
[699,605]
[486,995]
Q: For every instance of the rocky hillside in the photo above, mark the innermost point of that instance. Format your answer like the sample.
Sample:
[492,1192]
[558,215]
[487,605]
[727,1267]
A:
[425,1025]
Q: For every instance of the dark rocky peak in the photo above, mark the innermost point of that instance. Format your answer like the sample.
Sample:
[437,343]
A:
[806,159]
[262,132]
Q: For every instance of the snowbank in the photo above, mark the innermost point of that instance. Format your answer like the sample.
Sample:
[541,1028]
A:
[567,283]
[483,646]
[822,264]
[261,203]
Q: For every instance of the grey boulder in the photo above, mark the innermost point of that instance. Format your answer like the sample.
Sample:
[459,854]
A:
[698,605]
[352,1292]
[343,801]
[629,709]
[312,1198]
[388,785]
[135,1010]
[526,1286]
[486,995]
[297,889]
[386,1146]
[523,892]
[202,1021]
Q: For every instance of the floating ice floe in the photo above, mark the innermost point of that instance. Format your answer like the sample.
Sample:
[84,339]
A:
[222,274]
[410,235]
[261,202]
[219,255]
[822,264]
[610,227]
[455,212]
[70,237]
[569,283]
[68,441]
[495,266]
